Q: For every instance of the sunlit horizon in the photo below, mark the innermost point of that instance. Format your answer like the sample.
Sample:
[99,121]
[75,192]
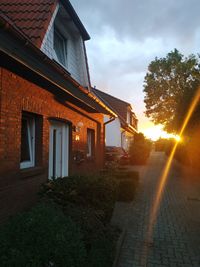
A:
[156,132]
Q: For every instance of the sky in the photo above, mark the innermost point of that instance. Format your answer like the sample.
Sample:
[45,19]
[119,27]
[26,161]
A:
[126,35]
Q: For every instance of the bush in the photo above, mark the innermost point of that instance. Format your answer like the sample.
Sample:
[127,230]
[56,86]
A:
[139,150]
[127,189]
[102,251]
[99,239]
[42,237]
[98,192]
[127,175]
[89,201]
[161,145]
[182,154]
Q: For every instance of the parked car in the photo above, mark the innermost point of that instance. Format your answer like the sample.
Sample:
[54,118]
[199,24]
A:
[116,154]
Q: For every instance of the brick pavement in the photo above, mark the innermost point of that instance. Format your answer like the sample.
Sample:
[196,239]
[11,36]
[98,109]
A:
[176,237]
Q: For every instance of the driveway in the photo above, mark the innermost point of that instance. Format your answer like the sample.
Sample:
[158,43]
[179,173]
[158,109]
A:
[176,237]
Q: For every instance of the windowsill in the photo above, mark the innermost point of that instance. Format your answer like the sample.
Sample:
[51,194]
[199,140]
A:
[30,172]
[61,65]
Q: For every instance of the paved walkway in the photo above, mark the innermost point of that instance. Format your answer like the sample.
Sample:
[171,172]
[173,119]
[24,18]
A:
[176,237]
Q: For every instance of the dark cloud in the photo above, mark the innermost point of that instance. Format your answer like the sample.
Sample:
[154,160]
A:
[126,35]
[140,19]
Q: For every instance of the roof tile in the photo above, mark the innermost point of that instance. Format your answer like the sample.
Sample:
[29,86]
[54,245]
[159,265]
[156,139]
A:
[116,104]
[31,17]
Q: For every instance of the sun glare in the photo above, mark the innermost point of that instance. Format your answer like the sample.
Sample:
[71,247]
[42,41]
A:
[156,132]
[164,176]
[178,138]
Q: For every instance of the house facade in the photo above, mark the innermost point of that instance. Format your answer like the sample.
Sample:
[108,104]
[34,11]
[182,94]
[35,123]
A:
[119,131]
[51,125]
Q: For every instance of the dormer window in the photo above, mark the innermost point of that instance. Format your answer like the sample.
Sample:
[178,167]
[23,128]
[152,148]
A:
[64,44]
[60,47]
[128,117]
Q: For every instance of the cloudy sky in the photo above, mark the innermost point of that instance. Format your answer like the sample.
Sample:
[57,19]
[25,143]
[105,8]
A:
[126,35]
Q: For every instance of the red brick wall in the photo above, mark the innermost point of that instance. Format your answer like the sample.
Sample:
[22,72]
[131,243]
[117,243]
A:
[17,95]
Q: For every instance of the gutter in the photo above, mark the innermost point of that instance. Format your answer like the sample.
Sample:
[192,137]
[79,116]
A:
[131,128]
[122,120]
[8,25]
[112,119]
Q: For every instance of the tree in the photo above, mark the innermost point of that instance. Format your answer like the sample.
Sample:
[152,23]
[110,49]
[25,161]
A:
[139,149]
[169,86]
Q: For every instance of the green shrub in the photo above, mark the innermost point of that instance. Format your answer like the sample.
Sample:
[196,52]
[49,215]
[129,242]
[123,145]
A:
[89,221]
[139,150]
[182,154]
[161,144]
[127,175]
[89,202]
[102,251]
[99,239]
[41,237]
[98,192]
[127,189]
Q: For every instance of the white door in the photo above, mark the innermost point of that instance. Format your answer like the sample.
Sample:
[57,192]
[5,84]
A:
[58,150]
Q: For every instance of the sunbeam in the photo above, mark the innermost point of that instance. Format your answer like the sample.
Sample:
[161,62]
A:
[163,179]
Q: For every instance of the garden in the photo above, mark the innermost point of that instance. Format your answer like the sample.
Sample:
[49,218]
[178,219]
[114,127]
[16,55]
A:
[70,224]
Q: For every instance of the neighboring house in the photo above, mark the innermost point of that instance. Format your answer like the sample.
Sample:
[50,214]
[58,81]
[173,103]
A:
[119,131]
[51,125]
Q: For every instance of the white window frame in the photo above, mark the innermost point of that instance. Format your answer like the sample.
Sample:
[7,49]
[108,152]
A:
[31,142]
[64,40]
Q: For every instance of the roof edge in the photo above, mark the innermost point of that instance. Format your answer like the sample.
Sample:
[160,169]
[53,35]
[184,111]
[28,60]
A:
[128,104]
[68,6]
[6,24]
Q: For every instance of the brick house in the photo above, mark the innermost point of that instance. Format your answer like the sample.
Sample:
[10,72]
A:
[119,131]
[51,125]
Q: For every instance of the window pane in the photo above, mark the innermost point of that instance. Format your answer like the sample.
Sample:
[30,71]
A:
[25,149]
[59,47]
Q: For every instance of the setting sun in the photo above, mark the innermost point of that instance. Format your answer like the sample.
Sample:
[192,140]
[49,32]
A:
[156,132]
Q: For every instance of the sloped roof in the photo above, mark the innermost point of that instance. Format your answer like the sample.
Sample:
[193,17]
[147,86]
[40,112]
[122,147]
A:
[117,105]
[20,55]
[32,17]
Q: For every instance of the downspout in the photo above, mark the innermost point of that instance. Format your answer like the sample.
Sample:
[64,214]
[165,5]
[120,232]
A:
[104,126]
[122,138]
[104,130]
[109,121]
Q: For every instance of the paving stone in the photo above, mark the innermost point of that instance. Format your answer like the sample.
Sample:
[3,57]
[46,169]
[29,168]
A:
[176,237]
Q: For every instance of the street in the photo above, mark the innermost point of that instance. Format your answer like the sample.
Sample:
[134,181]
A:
[175,240]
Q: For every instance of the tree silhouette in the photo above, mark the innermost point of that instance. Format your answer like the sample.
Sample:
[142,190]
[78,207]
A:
[169,86]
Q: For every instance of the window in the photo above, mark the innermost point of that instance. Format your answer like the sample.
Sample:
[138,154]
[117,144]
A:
[27,141]
[90,143]
[60,47]
[128,117]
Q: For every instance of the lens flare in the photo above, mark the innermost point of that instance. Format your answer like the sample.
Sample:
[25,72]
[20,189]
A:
[177,138]
[163,179]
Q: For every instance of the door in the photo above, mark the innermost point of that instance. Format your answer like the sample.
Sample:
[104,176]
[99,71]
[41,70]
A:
[58,150]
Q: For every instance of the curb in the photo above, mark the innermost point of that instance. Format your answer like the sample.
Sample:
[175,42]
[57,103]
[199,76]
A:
[118,247]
